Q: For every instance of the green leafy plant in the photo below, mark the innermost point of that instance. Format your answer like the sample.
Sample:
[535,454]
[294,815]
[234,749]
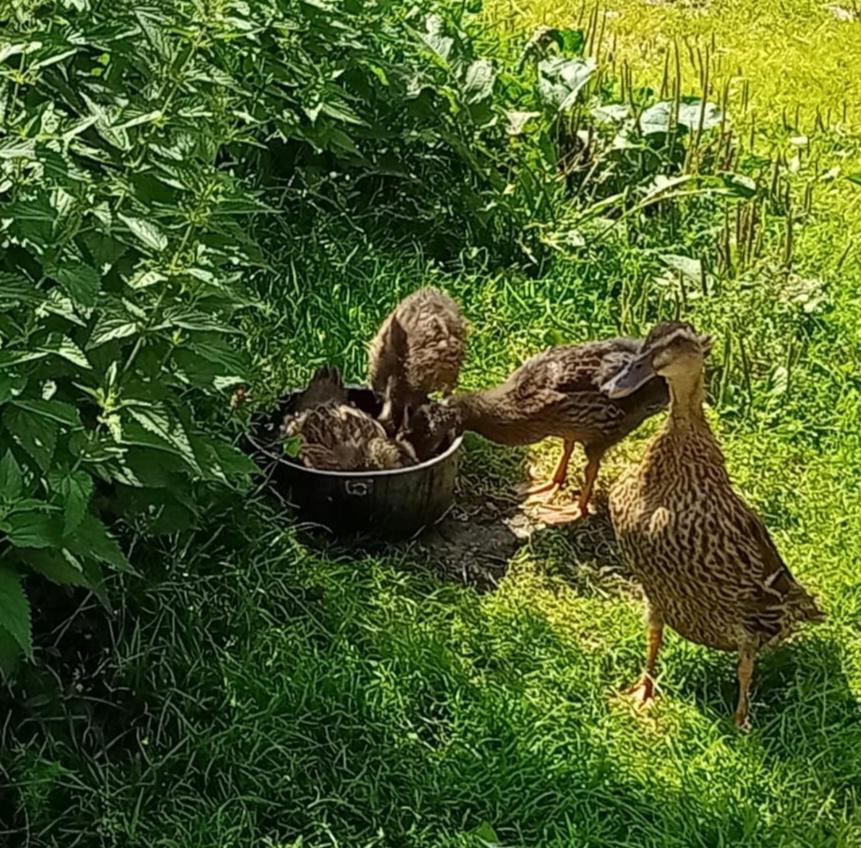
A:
[122,242]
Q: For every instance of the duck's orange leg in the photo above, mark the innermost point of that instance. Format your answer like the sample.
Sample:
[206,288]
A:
[559,515]
[556,482]
[643,691]
[746,658]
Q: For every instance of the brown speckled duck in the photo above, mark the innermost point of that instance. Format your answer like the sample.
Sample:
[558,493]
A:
[418,350]
[558,393]
[706,562]
[336,436]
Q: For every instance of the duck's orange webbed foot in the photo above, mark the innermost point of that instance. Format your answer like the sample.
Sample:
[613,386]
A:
[642,693]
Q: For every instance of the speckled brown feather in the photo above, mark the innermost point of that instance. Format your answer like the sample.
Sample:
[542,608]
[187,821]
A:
[338,437]
[558,393]
[418,350]
[707,564]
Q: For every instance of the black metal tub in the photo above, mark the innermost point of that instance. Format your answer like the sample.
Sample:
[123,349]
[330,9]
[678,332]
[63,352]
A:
[394,504]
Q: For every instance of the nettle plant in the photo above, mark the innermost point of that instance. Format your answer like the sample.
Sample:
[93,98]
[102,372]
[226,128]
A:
[122,234]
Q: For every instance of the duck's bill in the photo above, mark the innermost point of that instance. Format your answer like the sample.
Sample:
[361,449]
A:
[636,373]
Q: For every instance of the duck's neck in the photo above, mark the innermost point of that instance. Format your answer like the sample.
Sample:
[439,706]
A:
[687,396]
[478,409]
[491,414]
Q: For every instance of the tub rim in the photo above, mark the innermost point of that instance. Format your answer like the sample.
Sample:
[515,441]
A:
[406,469]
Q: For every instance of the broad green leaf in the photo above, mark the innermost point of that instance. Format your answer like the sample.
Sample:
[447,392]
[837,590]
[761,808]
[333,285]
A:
[11,479]
[92,538]
[161,424]
[480,78]
[54,410]
[435,37]
[111,327]
[854,178]
[691,269]
[570,40]
[64,347]
[16,289]
[657,118]
[15,609]
[58,566]
[611,112]
[36,434]
[74,490]
[33,529]
[80,281]
[561,80]
[690,115]
[146,232]
[11,385]
[518,120]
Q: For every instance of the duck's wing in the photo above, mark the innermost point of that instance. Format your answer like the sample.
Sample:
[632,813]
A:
[776,595]
[574,369]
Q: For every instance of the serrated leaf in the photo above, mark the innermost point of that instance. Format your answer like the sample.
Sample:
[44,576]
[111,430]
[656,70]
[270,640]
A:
[145,279]
[16,289]
[15,609]
[235,465]
[8,358]
[58,566]
[75,490]
[34,529]
[92,538]
[64,347]
[11,479]
[35,434]
[79,280]
[111,327]
[54,410]
[146,232]
[36,211]
[160,424]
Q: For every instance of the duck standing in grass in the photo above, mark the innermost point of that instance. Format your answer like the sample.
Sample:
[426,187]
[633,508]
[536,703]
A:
[706,562]
[336,436]
[418,350]
[558,393]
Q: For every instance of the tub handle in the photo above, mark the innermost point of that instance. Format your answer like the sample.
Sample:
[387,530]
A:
[359,488]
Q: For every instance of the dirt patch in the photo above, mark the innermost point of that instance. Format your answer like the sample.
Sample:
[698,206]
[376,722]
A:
[474,543]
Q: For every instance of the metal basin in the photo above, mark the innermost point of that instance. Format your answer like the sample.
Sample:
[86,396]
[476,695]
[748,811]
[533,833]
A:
[394,504]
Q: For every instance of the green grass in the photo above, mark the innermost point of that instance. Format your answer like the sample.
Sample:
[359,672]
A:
[264,689]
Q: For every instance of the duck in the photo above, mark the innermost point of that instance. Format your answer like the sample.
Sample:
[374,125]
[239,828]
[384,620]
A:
[558,393]
[419,349]
[430,428]
[334,435]
[707,564]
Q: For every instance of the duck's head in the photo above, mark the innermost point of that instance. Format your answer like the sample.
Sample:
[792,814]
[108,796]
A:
[672,350]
